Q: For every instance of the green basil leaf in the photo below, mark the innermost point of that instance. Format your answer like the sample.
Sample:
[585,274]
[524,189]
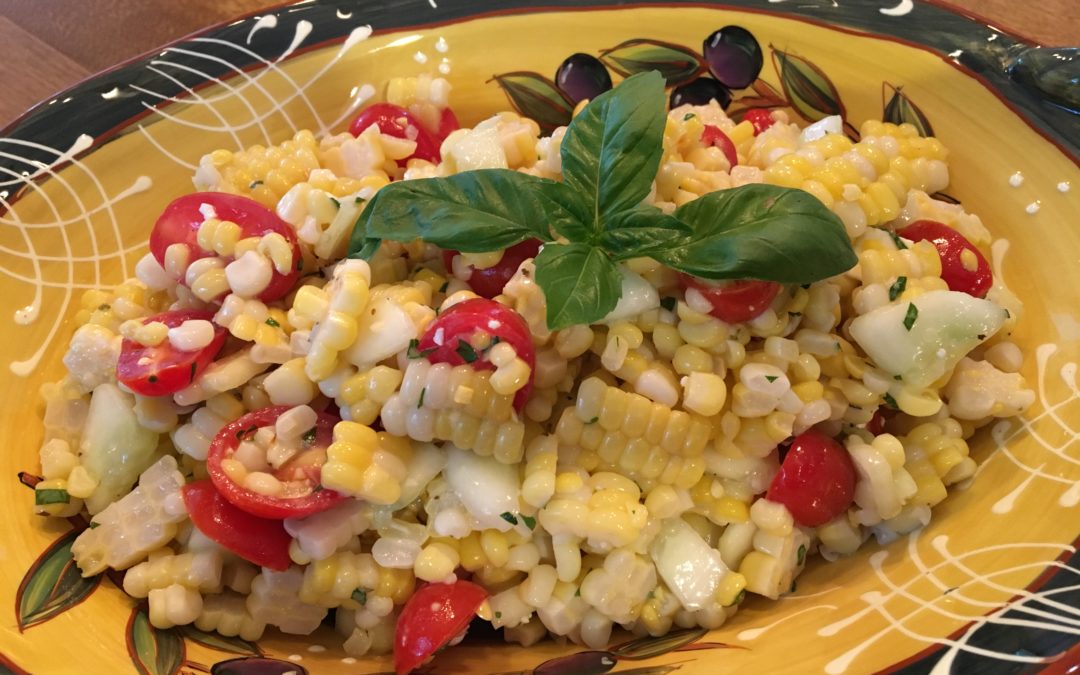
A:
[474,211]
[760,232]
[612,148]
[641,231]
[576,221]
[580,282]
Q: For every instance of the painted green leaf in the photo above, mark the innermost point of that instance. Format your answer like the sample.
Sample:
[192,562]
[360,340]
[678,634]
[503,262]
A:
[648,647]
[899,109]
[651,670]
[153,651]
[52,585]
[676,63]
[809,91]
[581,663]
[232,645]
[259,665]
[535,96]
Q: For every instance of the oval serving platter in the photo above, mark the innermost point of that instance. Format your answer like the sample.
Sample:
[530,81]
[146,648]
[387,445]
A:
[991,585]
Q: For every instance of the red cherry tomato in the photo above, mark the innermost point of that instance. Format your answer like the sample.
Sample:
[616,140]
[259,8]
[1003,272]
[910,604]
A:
[734,301]
[393,120]
[490,281]
[304,467]
[761,118]
[460,334]
[716,138]
[179,224]
[973,278]
[816,481]
[433,616]
[259,540]
[164,369]
[876,425]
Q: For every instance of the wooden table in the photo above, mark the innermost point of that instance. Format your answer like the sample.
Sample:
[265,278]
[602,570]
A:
[52,44]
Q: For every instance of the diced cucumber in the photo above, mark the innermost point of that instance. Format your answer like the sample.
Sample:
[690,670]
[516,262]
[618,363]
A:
[690,567]
[114,447]
[923,339]
[487,488]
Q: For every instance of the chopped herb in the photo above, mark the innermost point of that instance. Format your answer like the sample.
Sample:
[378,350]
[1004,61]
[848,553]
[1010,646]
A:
[498,615]
[358,200]
[509,517]
[94,525]
[793,587]
[360,595]
[897,288]
[191,375]
[1007,314]
[593,420]
[254,184]
[771,378]
[688,116]
[309,437]
[981,336]
[272,322]
[529,521]
[577,593]
[890,401]
[415,352]
[651,595]
[153,378]
[51,496]
[794,314]
[912,314]
[245,434]
[104,307]
[669,303]
[837,346]
[466,351]
[317,488]
[740,597]
[802,554]
[898,378]
[494,341]
[336,202]
[897,240]
[299,264]
[420,403]
[442,289]
[804,286]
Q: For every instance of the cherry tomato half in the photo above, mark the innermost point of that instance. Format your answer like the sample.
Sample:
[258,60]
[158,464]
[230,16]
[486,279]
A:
[716,138]
[968,273]
[816,481]
[164,369]
[490,281]
[433,616]
[179,224]
[258,540]
[761,118]
[734,301]
[304,467]
[462,333]
[395,121]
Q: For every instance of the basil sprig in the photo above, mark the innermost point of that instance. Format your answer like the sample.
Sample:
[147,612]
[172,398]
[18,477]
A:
[595,217]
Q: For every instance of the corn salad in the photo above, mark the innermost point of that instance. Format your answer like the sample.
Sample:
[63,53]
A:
[570,473]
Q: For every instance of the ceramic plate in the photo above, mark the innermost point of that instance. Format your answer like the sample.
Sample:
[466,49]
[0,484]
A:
[991,585]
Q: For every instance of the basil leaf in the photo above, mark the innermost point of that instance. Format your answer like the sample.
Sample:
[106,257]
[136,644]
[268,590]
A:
[641,231]
[474,211]
[580,282]
[612,148]
[576,223]
[760,232]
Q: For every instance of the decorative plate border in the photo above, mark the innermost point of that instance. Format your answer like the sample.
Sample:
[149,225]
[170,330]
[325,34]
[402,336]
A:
[111,104]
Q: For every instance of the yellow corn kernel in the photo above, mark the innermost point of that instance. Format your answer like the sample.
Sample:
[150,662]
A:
[730,588]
